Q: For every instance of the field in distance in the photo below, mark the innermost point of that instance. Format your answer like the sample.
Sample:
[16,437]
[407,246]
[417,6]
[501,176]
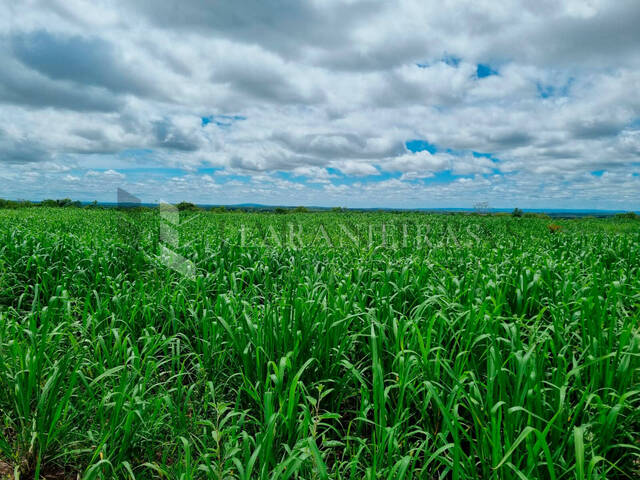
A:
[149,344]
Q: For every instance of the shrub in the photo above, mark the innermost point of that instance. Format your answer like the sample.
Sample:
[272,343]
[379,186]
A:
[67,202]
[516,212]
[628,216]
[15,203]
[187,206]
[60,203]
[554,228]
[537,215]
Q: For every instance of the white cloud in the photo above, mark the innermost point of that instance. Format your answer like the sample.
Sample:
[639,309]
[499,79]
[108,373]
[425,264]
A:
[419,163]
[355,168]
[108,174]
[115,86]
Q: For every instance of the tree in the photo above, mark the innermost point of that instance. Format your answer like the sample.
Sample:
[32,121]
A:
[516,212]
[187,206]
[628,215]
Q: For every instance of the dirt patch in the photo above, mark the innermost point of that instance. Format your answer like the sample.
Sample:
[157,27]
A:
[6,472]
[52,473]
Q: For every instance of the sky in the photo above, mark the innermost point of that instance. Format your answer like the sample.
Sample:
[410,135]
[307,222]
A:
[353,103]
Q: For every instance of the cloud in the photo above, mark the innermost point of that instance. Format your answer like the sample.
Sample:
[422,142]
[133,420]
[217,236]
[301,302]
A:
[314,174]
[266,77]
[329,92]
[87,61]
[108,175]
[21,150]
[273,24]
[21,86]
[421,163]
[355,168]
[170,136]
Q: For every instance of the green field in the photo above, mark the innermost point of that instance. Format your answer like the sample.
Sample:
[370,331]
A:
[319,345]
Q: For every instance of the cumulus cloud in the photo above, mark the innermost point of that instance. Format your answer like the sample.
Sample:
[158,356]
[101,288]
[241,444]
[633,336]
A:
[313,102]
[418,163]
[85,61]
[355,168]
[107,174]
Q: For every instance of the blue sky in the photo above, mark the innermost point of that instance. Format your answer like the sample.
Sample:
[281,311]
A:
[323,103]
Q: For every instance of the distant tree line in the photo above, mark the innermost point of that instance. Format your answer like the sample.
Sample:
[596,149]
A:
[49,202]
[15,203]
[59,203]
[192,207]
[628,216]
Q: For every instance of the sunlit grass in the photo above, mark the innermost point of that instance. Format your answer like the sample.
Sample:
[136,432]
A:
[494,348]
